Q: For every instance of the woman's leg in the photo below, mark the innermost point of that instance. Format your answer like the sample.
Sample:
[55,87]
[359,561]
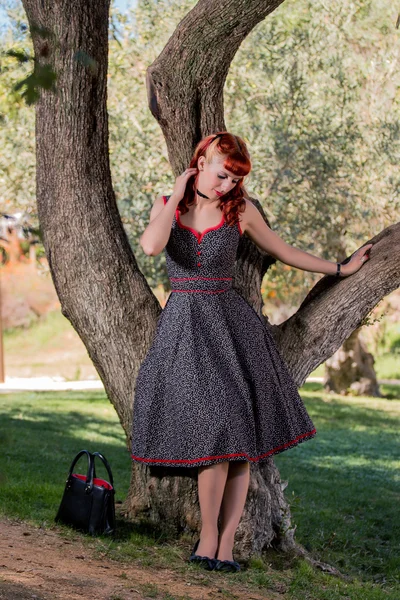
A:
[232,506]
[211,484]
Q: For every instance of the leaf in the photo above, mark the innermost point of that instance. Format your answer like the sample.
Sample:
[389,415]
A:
[21,57]
[41,77]
[42,32]
[87,61]
[20,84]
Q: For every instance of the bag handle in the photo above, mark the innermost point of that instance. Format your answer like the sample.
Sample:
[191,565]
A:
[90,469]
[106,464]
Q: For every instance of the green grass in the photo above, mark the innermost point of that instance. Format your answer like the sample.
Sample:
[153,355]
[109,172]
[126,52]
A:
[40,433]
[344,490]
[50,347]
[387,366]
[344,486]
[42,332]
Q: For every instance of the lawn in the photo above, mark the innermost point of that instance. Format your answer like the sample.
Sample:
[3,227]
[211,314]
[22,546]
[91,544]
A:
[343,487]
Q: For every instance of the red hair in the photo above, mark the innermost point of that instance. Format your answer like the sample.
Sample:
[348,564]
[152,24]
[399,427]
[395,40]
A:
[237,161]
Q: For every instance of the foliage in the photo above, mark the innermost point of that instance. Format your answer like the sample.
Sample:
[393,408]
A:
[314,90]
[138,153]
[301,91]
[314,93]
[17,121]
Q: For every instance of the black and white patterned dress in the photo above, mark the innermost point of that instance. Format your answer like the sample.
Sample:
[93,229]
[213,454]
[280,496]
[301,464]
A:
[213,386]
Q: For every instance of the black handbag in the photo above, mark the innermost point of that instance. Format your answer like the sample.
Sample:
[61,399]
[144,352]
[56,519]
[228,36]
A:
[88,502]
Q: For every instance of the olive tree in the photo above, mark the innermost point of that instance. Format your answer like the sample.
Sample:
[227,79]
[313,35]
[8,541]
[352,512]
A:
[100,286]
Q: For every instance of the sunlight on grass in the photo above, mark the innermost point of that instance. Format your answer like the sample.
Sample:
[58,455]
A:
[53,427]
[343,489]
[43,332]
[344,484]
[49,348]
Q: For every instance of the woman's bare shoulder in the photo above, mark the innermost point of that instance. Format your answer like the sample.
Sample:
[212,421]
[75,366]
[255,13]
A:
[157,207]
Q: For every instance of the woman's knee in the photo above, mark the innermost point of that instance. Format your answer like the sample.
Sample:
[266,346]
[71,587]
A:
[239,465]
[221,466]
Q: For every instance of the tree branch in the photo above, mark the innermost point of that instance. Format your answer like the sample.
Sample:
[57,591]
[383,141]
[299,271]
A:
[334,308]
[185,83]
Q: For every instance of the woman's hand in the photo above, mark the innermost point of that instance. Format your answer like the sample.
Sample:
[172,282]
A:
[181,182]
[356,261]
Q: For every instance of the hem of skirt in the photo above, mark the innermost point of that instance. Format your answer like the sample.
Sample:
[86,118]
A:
[205,460]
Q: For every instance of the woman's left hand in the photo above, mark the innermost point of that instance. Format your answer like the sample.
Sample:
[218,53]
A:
[356,261]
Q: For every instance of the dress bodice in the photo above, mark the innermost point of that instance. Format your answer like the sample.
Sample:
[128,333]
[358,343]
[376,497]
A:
[201,261]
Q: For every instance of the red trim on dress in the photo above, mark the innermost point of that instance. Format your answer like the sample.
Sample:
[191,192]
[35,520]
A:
[239,454]
[205,278]
[198,235]
[203,291]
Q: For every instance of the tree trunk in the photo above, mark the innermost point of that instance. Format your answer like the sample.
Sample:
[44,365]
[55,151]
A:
[101,290]
[351,369]
[185,83]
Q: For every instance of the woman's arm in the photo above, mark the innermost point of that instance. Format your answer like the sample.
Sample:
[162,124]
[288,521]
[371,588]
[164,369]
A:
[156,235]
[266,239]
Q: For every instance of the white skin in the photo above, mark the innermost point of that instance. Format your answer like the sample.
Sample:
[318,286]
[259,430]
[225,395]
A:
[214,180]
[223,487]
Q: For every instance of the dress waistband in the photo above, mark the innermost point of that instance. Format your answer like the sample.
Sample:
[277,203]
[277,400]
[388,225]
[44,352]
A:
[205,285]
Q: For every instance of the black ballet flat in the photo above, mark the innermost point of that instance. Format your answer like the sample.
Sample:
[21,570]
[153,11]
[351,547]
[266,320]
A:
[204,561]
[228,566]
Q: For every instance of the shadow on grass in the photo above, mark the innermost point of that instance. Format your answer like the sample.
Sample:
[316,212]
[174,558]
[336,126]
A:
[342,490]
[39,437]
[125,530]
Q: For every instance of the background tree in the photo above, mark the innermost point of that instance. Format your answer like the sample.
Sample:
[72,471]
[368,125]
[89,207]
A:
[17,159]
[315,114]
[104,295]
[313,89]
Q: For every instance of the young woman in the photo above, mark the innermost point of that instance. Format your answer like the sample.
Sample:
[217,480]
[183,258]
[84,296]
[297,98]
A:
[213,393]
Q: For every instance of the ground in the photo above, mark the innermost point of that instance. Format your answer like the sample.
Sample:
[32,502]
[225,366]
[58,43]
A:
[41,564]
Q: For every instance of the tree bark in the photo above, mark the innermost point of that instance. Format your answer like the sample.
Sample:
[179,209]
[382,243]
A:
[101,290]
[185,83]
[351,369]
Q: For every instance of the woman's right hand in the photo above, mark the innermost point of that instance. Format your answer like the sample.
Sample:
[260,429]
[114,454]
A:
[356,261]
[181,182]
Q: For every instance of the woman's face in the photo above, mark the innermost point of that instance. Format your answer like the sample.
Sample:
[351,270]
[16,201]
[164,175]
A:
[213,179]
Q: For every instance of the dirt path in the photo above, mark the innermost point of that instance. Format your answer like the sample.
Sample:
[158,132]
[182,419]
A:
[40,564]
